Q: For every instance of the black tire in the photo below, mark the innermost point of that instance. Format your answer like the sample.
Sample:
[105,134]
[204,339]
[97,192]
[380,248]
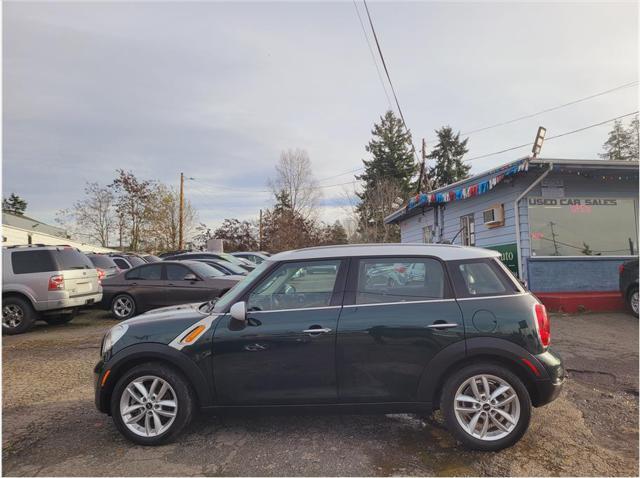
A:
[58,319]
[184,398]
[630,297]
[18,311]
[447,403]
[114,304]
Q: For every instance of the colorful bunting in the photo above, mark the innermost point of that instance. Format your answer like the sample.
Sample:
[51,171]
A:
[424,199]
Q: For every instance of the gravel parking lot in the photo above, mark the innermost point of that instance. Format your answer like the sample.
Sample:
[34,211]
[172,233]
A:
[50,425]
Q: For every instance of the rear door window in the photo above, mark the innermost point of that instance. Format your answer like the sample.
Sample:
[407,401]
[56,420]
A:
[480,278]
[399,279]
[152,272]
[29,262]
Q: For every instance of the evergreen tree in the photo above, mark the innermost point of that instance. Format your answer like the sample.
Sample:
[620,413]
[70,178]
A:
[622,143]
[14,204]
[448,153]
[387,176]
[391,151]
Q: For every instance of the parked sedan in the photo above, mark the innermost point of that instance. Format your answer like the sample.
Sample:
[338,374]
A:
[162,284]
[105,265]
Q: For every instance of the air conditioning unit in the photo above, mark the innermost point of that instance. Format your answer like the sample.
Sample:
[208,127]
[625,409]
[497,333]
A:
[494,216]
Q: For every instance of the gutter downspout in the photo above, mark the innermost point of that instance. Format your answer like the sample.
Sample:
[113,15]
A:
[516,211]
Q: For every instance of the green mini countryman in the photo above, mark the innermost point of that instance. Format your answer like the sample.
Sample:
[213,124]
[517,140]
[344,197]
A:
[359,328]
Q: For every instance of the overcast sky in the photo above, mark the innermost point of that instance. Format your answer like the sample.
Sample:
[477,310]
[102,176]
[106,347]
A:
[217,90]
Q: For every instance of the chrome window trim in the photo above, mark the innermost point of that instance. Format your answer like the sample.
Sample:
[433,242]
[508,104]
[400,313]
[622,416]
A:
[494,296]
[296,309]
[406,302]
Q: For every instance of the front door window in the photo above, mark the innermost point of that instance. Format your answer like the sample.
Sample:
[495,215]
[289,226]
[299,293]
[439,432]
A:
[296,285]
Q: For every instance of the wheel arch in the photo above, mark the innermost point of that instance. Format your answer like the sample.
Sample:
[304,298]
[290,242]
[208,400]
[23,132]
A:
[480,349]
[19,294]
[135,355]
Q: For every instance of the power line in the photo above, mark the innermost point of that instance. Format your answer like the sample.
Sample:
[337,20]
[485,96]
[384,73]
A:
[547,110]
[373,56]
[246,190]
[386,70]
[551,137]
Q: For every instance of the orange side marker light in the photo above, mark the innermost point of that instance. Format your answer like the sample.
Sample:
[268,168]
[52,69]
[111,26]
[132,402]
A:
[104,378]
[193,335]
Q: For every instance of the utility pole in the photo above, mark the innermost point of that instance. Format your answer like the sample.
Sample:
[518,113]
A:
[553,238]
[423,168]
[260,232]
[180,227]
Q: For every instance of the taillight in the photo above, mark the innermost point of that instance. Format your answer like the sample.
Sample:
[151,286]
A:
[621,268]
[101,274]
[544,326]
[56,283]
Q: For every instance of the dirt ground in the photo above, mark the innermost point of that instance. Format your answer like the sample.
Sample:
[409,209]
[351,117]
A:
[51,428]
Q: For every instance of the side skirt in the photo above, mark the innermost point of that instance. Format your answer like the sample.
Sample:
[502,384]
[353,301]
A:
[329,408]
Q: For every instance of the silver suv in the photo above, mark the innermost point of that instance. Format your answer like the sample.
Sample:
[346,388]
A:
[45,282]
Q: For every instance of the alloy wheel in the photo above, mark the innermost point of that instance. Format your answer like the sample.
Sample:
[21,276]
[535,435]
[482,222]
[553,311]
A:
[634,302]
[148,406]
[12,316]
[122,307]
[487,407]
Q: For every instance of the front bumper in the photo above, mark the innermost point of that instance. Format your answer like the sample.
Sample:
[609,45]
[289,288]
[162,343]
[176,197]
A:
[547,389]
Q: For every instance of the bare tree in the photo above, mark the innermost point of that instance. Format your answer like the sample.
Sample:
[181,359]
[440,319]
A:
[162,230]
[133,205]
[294,175]
[377,203]
[92,217]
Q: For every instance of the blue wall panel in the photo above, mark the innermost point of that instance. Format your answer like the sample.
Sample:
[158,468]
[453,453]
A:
[574,275]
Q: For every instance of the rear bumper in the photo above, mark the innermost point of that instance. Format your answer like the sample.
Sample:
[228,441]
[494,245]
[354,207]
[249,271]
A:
[548,389]
[68,302]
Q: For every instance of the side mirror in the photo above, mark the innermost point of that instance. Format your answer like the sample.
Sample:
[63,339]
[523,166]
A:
[239,311]
[190,276]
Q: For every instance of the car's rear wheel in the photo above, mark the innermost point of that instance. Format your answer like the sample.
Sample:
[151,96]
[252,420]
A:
[151,404]
[123,306]
[486,407]
[632,301]
[18,315]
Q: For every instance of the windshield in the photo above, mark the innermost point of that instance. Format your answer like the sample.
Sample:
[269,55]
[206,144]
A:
[238,289]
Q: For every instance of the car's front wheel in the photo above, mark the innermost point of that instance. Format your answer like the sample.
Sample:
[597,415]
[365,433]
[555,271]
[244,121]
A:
[151,404]
[486,407]
[123,306]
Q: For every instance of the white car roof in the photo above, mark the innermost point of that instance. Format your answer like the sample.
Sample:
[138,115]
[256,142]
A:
[446,252]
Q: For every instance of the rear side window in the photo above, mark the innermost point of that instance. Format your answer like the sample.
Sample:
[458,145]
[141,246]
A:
[398,279]
[482,278]
[29,262]
[104,262]
[135,260]
[70,259]
[121,263]
[153,272]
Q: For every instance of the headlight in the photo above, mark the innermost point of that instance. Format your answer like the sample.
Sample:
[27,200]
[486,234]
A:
[114,334]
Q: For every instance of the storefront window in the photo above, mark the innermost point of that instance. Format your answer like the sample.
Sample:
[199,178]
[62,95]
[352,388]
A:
[581,226]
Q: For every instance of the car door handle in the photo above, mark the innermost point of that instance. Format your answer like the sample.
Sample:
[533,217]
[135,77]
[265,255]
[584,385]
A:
[316,331]
[442,325]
